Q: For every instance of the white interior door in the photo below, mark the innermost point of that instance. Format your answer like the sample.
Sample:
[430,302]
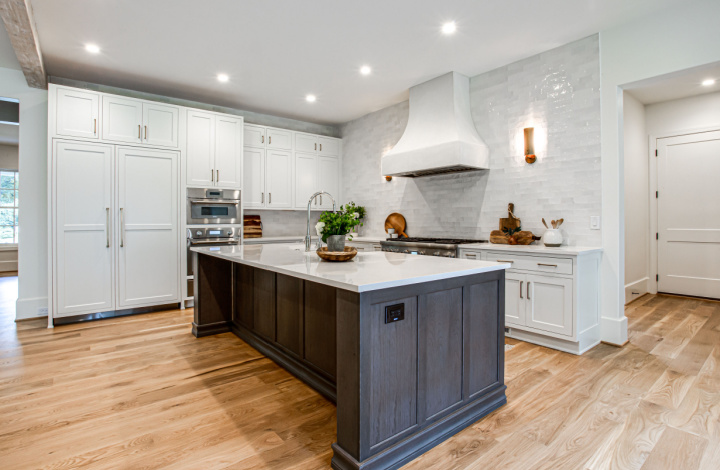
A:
[83,227]
[147,201]
[549,304]
[77,113]
[306,172]
[160,124]
[689,214]
[329,180]
[200,149]
[514,299]
[278,179]
[122,119]
[228,152]
[253,177]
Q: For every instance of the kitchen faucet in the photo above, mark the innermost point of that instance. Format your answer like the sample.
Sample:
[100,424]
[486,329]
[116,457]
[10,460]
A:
[307,237]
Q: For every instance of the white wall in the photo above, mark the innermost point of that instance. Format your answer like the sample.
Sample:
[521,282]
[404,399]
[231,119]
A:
[8,157]
[637,204]
[692,113]
[557,92]
[669,41]
[32,249]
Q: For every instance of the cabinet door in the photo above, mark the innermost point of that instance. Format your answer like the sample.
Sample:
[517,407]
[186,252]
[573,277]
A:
[328,146]
[228,152]
[147,201]
[306,171]
[329,180]
[515,289]
[122,119]
[160,124]
[83,228]
[278,179]
[305,142]
[253,177]
[254,136]
[550,304]
[77,113]
[279,139]
[200,149]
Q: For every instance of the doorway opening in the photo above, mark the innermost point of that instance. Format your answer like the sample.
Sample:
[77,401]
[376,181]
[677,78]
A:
[9,204]
[671,140]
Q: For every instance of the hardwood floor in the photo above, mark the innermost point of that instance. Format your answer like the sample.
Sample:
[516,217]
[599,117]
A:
[142,393]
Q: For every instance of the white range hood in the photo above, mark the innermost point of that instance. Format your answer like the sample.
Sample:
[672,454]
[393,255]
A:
[440,136]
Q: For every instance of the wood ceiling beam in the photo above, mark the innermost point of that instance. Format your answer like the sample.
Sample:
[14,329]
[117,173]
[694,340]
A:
[20,25]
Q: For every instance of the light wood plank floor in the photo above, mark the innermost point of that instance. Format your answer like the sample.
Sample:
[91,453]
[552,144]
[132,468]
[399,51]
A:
[142,393]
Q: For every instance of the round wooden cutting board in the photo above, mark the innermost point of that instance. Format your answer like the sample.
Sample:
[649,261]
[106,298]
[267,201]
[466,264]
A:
[396,221]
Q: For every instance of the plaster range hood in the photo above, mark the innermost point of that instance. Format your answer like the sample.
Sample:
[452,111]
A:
[440,136]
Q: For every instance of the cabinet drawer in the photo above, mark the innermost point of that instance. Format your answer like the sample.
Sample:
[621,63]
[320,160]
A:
[542,264]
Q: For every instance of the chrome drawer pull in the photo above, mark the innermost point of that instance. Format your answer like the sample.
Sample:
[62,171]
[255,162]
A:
[521,284]
[548,265]
[504,261]
[470,255]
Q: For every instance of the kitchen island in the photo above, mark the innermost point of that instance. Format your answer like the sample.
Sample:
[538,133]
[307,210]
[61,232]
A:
[410,348]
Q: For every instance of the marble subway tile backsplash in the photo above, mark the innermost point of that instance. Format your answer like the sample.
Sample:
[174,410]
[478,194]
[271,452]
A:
[558,93]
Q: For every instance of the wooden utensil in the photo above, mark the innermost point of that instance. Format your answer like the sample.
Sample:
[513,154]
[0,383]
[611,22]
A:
[523,237]
[349,253]
[396,221]
[560,222]
[544,223]
[510,222]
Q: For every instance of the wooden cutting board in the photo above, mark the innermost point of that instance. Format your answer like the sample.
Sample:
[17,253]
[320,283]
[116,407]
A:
[252,226]
[524,237]
[396,221]
[510,222]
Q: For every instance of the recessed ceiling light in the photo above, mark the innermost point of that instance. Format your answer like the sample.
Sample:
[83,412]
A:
[223,77]
[92,48]
[310,98]
[365,70]
[449,28]
[708,82]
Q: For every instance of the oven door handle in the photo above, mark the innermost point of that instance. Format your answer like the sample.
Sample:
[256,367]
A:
[214,201]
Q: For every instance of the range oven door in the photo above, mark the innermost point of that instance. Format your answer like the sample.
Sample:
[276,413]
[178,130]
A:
[213,211]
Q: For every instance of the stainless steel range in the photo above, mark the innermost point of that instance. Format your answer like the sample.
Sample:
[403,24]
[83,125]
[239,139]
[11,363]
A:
[446,247]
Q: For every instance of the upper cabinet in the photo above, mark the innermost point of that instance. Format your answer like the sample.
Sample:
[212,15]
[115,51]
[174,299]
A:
[254,136]
[317,168]
[77,113]
[214,150]
[279,139]
[140,122]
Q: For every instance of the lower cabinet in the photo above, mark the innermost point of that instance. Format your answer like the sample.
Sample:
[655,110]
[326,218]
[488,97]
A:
[551,300]
[365,246]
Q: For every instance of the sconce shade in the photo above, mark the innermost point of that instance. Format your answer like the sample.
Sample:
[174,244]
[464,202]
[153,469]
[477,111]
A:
[530,144]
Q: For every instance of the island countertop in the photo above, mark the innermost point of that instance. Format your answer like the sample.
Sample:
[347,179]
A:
[368,271]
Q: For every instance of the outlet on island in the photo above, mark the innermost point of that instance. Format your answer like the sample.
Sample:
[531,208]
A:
[394,313]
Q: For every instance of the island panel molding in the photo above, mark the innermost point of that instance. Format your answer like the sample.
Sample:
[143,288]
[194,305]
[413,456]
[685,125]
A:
[401,386]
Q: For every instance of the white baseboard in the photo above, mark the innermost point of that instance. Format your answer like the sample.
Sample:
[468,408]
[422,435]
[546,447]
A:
[28,308]
[614,330]
[636,289]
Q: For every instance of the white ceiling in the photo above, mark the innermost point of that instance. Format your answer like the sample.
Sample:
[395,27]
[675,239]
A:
[277,51]
[677,85]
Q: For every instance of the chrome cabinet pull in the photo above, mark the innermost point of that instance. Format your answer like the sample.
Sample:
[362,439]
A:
[94,126]
[528,290]
[521,283]
[321,199]
[262,198]
[262,139]
[504,261]
[548,265]
[107,227]
[315,146]
[139,131]
[269,198]
[217,176]
[321,147]
[470,255]
[145,132]
[122,228]
[212,175]
[269,139]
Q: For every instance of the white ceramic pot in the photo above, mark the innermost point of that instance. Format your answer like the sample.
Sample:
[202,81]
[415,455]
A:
[552,237]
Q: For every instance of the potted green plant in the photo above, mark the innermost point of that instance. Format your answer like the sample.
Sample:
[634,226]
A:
[359,212]
[333,227]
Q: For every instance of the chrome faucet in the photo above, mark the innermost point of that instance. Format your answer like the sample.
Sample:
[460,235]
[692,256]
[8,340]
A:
[307,237]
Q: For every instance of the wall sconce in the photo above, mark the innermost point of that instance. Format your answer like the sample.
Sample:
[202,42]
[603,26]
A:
[530,144]
[388,178]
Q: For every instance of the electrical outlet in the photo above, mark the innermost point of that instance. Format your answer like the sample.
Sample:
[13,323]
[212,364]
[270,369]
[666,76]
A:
[42,312]
[594,222]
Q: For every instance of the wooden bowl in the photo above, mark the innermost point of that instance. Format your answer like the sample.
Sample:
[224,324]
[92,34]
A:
[346,255]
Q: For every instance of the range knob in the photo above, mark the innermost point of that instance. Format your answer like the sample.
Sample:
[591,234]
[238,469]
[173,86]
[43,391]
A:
[198,233]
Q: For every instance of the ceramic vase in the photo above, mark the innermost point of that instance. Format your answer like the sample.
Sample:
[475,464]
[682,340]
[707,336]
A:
[552,237]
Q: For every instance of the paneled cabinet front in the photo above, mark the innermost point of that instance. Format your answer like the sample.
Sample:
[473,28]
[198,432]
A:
[136,121]
[214,150]
[77,113]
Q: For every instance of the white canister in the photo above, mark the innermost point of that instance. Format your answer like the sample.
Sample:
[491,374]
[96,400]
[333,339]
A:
[552,237]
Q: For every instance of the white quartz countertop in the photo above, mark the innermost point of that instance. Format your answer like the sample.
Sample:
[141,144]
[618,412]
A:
[288,239]
[536,249]
[366,272]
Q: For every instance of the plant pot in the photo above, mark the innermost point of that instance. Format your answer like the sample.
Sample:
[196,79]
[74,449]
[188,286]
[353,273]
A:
[336,243]
[552,237]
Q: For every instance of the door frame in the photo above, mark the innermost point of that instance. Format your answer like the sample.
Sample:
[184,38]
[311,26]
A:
[653,187]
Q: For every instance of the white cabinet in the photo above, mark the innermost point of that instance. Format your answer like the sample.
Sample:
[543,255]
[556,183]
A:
[306,142]
[139,122]
[316,170]
[278,179]
[84,241]
[77,113]
[551,299]
[364,246]
[147,252]
[306,176]
[254,177]
[254,136]
[328,146]
[214,150]
[279,139]
[329,180]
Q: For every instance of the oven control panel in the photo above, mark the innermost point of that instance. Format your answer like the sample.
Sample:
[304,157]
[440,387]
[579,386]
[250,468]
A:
[211,233]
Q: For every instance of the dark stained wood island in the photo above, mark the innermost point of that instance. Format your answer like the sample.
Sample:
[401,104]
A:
[410,348]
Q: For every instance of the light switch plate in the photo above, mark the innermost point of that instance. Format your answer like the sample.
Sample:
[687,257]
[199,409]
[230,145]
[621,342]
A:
[594,222]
